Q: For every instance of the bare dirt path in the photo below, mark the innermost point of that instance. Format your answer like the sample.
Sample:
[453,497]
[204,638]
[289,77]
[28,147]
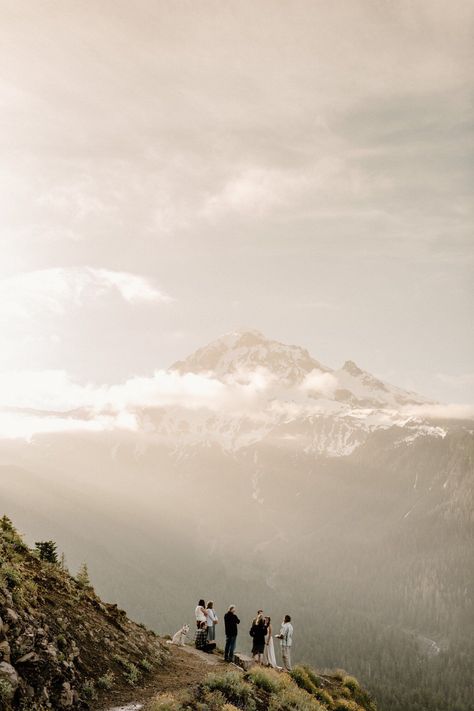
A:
[186,668]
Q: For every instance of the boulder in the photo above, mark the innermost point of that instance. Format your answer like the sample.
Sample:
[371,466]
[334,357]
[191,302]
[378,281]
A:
[10,680]
[243,661]
[5,652]
[30,658]
[25,642]
[51,652]
[67,696]
[11,616]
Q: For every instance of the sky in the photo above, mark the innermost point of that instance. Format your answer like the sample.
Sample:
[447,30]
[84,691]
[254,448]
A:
[171,171]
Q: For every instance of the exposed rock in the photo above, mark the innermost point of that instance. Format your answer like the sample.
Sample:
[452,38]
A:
[5,652]
[11,616]
[10,680]
[243,661]
[66,699]
[31,658]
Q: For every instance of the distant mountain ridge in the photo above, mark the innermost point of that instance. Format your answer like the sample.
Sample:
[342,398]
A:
[324,410]
[242,352]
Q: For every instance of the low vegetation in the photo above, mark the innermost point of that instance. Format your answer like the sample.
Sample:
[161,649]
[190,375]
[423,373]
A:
[262,689]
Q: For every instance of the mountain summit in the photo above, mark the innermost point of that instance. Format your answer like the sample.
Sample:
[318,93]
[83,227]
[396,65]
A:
[238,353]
[247,351]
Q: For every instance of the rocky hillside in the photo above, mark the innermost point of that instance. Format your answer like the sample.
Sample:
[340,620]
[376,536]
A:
[60,646]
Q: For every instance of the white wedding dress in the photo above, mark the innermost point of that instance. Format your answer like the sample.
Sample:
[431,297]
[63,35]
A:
[269,659]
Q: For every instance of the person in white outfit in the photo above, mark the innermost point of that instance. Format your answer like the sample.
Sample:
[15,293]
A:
[200,613]
[269,659]
[212,621]
[286,641]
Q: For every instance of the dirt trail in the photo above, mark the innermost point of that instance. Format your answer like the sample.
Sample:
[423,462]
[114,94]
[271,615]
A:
[186,667]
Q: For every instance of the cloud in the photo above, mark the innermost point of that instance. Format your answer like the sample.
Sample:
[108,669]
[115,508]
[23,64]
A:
[55,391]
[48,401]
[451,411]
[320,185]
[55,290]
[24,425]
[318,381]
[51,401]
[255,190]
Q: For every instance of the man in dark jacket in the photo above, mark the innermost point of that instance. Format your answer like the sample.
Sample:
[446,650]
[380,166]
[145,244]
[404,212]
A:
[230,622]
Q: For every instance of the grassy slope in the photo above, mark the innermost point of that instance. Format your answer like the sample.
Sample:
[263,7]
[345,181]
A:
[263,689]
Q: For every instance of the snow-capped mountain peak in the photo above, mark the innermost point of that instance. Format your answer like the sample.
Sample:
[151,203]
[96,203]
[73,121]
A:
[326,411]
[242,352]
[248,351]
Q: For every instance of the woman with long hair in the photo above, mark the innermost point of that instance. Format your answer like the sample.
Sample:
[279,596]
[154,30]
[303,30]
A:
[269,659]
[212,621]
[200,613]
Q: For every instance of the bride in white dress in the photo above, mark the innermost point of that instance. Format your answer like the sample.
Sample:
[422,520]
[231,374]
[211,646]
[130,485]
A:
[269,659]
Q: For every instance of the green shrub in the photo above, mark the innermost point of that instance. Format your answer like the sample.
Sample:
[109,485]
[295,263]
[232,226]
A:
[317,681]
[5,691]
[132,675]
[31,589]
[146,665]
[233,687]
[345,705]
[212,701]
[266,679]
[106,682]
[301,677]
[11,576]
[88,690]
[351,683]
[324,697]
[165,702]
[293,698]
[120,660]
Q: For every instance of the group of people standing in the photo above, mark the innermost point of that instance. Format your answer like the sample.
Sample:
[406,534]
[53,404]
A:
[261,631]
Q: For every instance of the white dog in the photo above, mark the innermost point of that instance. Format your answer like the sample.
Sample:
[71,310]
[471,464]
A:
[180,637]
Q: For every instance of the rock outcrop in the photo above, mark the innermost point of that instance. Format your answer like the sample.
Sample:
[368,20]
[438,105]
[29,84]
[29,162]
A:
[60,645]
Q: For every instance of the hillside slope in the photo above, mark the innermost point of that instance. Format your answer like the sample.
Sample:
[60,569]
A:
[60,646]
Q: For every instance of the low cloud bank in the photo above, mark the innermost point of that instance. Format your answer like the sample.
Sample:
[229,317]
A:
[451,411]
[47,401]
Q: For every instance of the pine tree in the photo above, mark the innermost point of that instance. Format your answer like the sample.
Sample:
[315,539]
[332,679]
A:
[47,551]
[63,563]
[82,577]
[6,524]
